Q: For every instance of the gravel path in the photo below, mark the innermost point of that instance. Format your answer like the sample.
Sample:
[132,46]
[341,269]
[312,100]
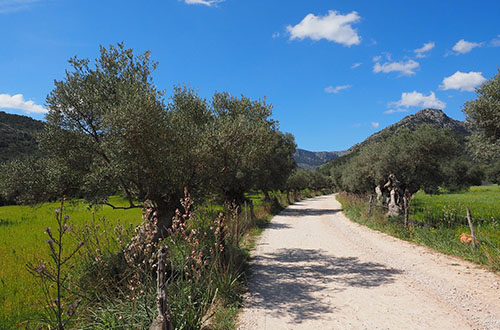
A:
[315,269]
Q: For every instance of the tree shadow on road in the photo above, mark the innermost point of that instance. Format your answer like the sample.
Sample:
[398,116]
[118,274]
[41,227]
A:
[276,225]
[298,212]
[290,280]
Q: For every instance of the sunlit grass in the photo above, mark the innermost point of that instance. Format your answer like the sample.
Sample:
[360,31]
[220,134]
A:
[440,219]
[449,208]
[22,239]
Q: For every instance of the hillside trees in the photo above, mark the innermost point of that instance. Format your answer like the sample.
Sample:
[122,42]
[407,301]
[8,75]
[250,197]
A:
[414,158]
[483,115]
[109,130]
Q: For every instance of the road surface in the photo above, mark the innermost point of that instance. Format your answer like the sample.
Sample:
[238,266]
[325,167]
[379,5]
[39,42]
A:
[315,269]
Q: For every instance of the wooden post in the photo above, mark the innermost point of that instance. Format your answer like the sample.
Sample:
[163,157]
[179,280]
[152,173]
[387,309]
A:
[162,322]
[406,207]
[370,205]
[472,232]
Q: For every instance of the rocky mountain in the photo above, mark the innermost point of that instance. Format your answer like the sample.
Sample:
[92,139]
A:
[434,117]
[309,159]
[17,135]
[437,118]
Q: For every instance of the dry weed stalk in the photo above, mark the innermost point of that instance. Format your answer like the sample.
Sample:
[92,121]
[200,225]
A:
[61,301]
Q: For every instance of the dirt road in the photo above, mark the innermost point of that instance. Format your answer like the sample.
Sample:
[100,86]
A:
[315,269]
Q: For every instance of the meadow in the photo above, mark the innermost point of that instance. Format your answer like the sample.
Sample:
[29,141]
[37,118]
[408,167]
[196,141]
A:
[23,239]
[448,208]
[439,220]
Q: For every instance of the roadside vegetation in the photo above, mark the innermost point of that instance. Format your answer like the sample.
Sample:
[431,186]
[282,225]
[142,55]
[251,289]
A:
[439,222]
[23,240]
[208,295]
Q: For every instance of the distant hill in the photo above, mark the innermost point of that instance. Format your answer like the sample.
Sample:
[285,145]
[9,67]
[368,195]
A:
[434,117]
[309,159]
[17,135]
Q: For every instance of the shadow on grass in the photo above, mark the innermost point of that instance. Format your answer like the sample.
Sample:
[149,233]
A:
[290,280]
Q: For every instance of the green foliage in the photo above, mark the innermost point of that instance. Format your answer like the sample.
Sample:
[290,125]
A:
[492,173]
[34,179]
[483,115]
[17,136]
[247,150]
[305,179]
[415,157]
[461,173]
[109,130]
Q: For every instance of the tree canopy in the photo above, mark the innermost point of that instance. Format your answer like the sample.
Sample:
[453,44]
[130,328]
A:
[109,129]
[417,158]
[483,115]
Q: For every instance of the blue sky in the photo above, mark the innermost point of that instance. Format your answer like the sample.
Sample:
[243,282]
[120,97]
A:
[335,71]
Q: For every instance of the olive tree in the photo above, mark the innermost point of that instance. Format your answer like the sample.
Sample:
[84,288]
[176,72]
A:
[483,116]
[410,160]
[247,150]
[110,131]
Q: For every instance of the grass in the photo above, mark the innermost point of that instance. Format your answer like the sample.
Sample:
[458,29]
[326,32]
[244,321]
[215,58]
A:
[441,219]
[449,208]
[22,239]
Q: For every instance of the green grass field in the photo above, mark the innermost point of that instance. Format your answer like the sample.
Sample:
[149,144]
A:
[22,239]
[449,208]
[442,219]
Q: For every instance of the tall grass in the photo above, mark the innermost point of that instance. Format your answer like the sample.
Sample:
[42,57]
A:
[438,221]
[22,239]
[104,273]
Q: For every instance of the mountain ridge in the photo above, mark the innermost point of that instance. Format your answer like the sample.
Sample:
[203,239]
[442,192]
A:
[310,160]
[434,117]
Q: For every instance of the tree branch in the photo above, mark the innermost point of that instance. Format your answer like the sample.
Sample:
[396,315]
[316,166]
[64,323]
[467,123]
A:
[132,206]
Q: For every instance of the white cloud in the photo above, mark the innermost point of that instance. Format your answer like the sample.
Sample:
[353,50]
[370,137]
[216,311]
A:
[395,111]
[276,35]
[355,65]
[424,49]
[386,55]
[336,89]
[463,47]
[203,2]
[17,102]
[495,42]
[333,27]
[406,68]
[463,81]
[415,99]
[9,6]
[375,124]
